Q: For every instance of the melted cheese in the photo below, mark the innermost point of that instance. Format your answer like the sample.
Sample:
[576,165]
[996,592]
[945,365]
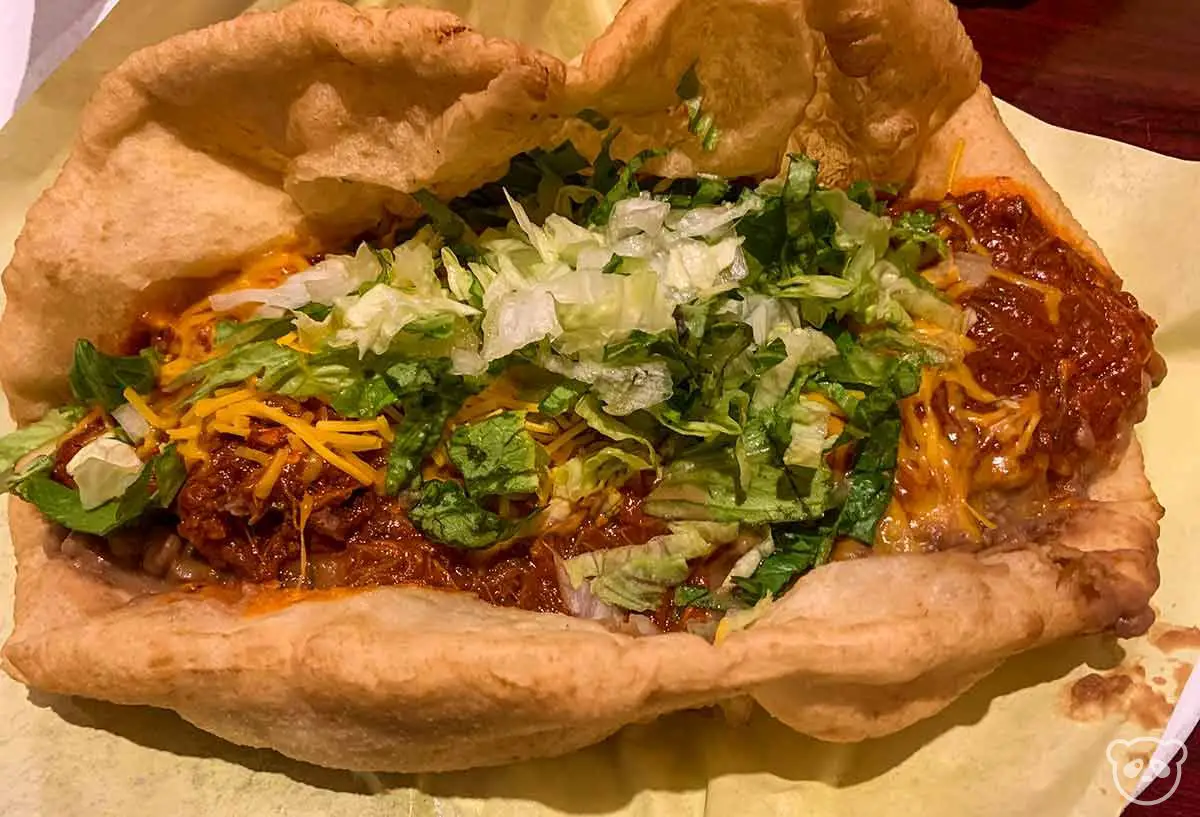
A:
[191,331]
[1051,296]
[560,446]
[306,508]
[253,454]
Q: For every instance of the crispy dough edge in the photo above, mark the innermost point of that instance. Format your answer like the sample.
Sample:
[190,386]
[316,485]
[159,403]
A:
[413,680]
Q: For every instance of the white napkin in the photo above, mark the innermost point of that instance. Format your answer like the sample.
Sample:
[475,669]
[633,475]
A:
[35,36]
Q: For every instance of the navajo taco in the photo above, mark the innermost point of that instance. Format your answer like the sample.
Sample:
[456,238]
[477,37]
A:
[403,399]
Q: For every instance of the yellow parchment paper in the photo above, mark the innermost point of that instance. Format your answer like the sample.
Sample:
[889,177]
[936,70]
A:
[1006,748]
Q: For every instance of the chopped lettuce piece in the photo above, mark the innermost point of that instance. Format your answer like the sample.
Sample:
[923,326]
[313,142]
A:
[707,485]
[131,422]
[810,424]
[635,577]
[265,359]
[426,405]
[616,184]
[415,436]
[805,348]
[795,551]
[231,334]
[633,216]
[691,595]
[100,379]
[497,456]
[371,321]
[747,564]
[63,505]
[446,514]
[10,480]
[623,388]
[741,619]
[767,317]
[562,398]
[589,409]
[103,469]
[871,483]
[364,398]
[596,308]
[699,122]
[609,467]
[518,319]
[54,424]
[413,264]
[462,282]
[708,428]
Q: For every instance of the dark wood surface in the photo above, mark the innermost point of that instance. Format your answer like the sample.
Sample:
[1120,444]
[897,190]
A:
[1123,69]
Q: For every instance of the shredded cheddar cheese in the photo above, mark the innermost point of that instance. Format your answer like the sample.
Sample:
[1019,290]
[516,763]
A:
[306,507]
[261,457]
[266,483]
[955,158]
[143,408]
[563,439]
[1051,296]
[951,211]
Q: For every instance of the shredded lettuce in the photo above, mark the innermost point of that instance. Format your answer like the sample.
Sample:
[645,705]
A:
[806,348]
[707,485]
[582,288]
[100,379]
[371,321]
[635,577]
[264,359]
[131,422]
[703,326]
[589,409]
[563,397]
[624,389]
[428,396]
[870,483]
[334,277]
[155,487]
[699,122]
[794,551]
[53,424]
[609,467]
[809,441]
[414,438]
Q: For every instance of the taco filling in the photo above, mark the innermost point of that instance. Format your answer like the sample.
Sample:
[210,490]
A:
[582,389]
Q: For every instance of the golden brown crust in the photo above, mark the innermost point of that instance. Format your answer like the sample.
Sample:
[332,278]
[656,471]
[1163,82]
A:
[857,84]
[417,680]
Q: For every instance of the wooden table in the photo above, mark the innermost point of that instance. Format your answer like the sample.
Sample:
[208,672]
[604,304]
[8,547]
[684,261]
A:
[1123,69]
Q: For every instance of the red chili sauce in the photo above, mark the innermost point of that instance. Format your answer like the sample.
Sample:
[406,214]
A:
[1068,356]
[1093,368]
